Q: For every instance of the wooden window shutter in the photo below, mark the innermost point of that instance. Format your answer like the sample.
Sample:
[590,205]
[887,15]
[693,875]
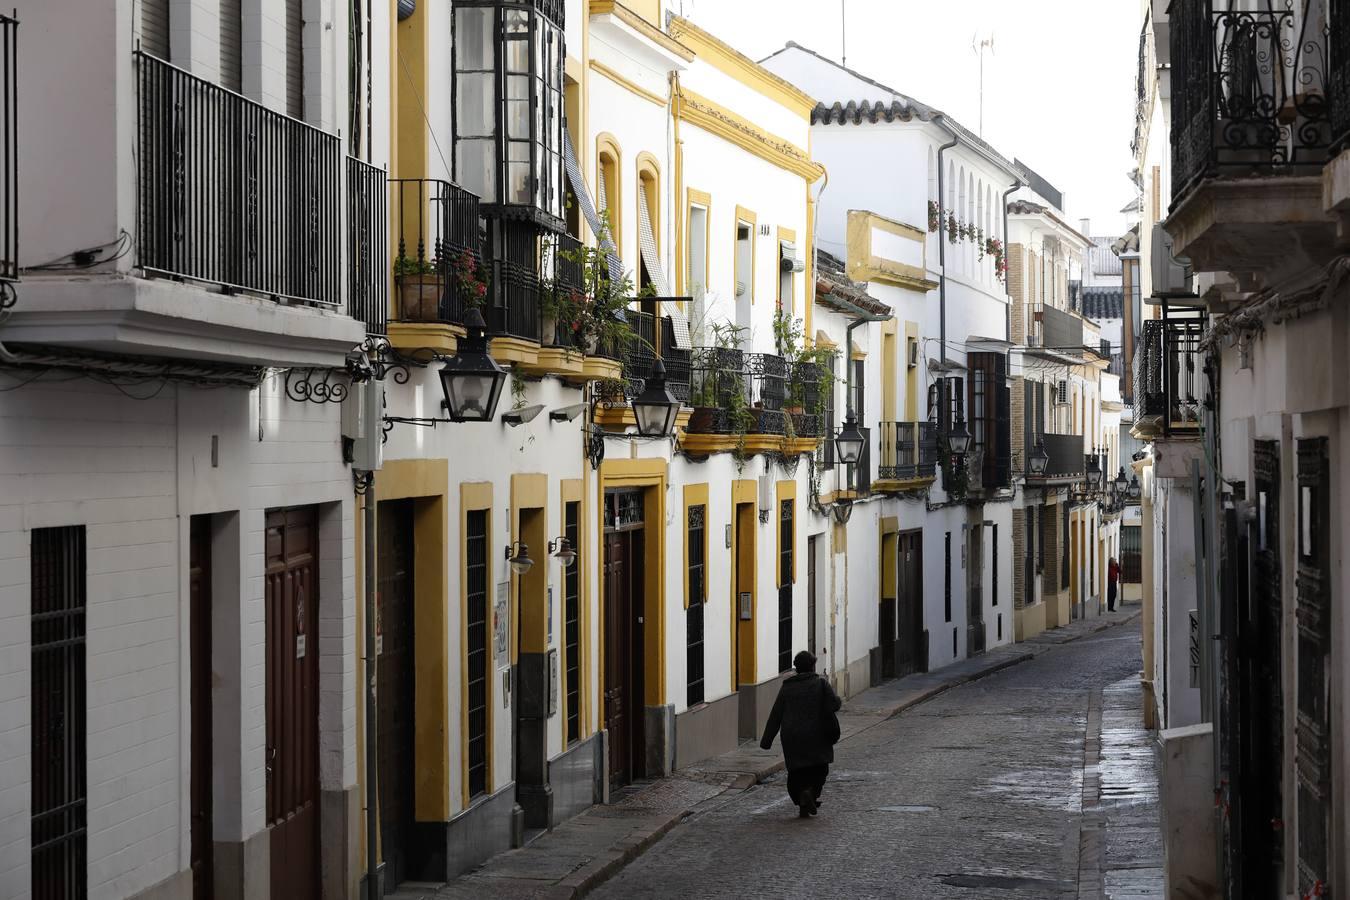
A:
[155,27]
[231,67]
[295,60]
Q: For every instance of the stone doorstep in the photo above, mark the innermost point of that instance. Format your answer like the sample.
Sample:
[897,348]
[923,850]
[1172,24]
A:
[507,875]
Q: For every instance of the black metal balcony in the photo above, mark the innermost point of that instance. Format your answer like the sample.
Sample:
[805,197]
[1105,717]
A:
[1249,90]
[234,194]
[439,257]
[909,450]
[9,151]
[1338,74]
[639,357]
[760,384]
[368,245]
[514,308]
[1168,367]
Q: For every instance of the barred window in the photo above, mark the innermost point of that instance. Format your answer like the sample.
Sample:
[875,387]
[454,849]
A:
[786,533]
[694,552]
[572,619]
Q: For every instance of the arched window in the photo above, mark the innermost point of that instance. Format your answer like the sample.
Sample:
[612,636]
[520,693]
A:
[609,186]
[960,211]
[951,190]
[650,267]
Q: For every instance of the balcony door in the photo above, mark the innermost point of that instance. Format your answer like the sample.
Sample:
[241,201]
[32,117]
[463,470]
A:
[909,656]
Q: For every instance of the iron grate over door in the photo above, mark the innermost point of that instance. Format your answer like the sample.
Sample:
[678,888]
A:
[1313,763]
[572,623]
[1266,671]
[476,652]
[59,765]
[694,625]
[786,533]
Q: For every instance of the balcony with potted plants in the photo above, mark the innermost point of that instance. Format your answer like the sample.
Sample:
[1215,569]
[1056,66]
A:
[652,337]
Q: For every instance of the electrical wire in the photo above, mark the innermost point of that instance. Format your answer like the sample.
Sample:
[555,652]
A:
[403,64]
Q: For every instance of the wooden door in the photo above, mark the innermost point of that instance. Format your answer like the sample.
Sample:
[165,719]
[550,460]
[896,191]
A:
[975,593]
[745,584]
[292,752]
[199,650]
[909,606]
[811,545]
[394,719]
[623,655]
[886,617]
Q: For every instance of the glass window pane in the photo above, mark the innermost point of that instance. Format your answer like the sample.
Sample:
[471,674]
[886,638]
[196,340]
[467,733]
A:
[475,168]
[518,119]
[518,172]
[517,21]
[473,38]
[517,55]
[474,114]
[517,87]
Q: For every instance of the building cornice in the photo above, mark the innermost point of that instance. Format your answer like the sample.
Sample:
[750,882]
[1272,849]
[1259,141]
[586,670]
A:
[641,26]
[711,117]
[732,62]
[627,84]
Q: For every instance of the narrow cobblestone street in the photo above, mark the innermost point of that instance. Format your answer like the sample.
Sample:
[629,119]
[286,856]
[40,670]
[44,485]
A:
[1037,781]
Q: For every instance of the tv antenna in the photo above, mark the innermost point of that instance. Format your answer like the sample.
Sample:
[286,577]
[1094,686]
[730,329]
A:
[978,46]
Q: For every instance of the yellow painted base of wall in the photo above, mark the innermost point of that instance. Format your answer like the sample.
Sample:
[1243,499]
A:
[1029,622]
[515,350]
[440,336]
[1058,609]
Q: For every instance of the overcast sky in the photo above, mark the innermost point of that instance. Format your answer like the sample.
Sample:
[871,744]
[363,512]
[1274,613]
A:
[1058,88]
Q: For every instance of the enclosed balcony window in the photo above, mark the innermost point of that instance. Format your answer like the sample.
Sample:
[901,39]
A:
[508,60]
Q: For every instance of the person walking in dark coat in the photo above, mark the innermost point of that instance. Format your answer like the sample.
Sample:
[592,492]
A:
[805,713]
[1112,578]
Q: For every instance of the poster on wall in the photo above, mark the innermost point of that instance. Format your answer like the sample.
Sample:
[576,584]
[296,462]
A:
[500,614]
[548,614]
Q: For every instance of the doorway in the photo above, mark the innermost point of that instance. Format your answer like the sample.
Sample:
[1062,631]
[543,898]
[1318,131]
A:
[624,636]
[292,680]
[909,657]
[886,617]
[743,604]
[396,694]
[812,545]
[975,591]
[199,638]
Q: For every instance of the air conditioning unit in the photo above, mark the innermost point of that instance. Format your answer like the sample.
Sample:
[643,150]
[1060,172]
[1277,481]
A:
[1172,275]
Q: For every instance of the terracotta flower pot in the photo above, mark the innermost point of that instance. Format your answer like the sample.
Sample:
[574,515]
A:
[419,298]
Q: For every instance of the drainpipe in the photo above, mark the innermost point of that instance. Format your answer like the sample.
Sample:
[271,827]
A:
[372,661]
[940,121]
[1007,289]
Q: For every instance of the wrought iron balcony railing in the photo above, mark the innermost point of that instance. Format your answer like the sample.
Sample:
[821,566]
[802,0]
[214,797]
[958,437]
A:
[9,150]
[1249,88]
[761,391]
[639,356]
[1338,73]
[368,245]
[1167,370]
[438,266]
[233,193]
[909,450]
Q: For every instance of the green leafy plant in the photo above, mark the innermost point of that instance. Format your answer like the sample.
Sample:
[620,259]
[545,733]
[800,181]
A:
[414,265]
[592,307]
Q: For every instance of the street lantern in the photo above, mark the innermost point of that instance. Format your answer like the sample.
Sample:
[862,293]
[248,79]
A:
[1094,472]
[472,380]
[1121,483]
[849,442]
[655,407]
[508,61]
[1134,488]
[518,555]
[843,510]
[958,439]
[1038,459]
[563,552]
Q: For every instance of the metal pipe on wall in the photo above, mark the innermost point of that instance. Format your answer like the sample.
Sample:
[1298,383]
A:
[942,243]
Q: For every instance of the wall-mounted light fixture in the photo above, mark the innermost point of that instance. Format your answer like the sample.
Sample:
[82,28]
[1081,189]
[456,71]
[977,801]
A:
[518,555]
[561,549]
[518,417]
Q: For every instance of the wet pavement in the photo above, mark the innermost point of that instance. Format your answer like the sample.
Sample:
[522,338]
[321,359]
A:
[1037,781]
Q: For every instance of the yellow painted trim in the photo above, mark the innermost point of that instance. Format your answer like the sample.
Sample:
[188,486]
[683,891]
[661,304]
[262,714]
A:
[889,376]
[859,353]
[695,495]
[474,496]
[573,490]
[742,644]
[629,85]
[641,25]
[809,251]
[694,197]
[789,235]
[707,443]
[557,361]
[865,265]
[607,145]
[716,119]
[745,215]
[786,490]
[899,486]
[599,368]
[529,492]
[650,474]
[622,417]
[436,335]
[740,67]
[823,340]
[514,350]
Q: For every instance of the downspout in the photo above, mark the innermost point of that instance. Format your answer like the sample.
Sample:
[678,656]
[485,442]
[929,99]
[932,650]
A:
[1007,288]
[940,121]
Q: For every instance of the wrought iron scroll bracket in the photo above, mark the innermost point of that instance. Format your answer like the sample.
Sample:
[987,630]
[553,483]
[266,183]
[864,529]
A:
[318,385]
[362,481]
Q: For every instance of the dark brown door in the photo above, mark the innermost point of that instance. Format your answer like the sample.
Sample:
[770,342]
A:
[395,693]
[909,604]
[623,655]
[975,593]
[887,637]
[811,595]
[292,600]
[199,638]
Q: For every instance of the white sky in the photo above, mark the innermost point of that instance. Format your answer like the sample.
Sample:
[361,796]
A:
[1058,89]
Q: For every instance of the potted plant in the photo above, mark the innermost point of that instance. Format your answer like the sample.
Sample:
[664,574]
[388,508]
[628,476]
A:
[419,289]
[719,388]
[934,216]
[590,312]
[470,279]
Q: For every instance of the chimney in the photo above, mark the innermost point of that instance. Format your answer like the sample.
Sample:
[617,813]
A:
[1085,226]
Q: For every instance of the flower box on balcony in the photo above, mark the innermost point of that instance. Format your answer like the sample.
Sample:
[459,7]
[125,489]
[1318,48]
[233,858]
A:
[419,298]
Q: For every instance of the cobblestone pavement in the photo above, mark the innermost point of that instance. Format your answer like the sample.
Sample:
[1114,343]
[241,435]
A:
[1036,782]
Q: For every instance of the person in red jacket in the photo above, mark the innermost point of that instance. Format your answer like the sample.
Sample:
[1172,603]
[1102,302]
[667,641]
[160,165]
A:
[1112,577]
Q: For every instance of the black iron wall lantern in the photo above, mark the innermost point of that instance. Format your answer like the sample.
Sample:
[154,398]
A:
[848,443]
[472,379]
[655,408]
[518,555]
[843,510]
[958,439]
[1094,472]
[508,128]
[1037,460]
[561,549]
[1121,483]
[1135,491]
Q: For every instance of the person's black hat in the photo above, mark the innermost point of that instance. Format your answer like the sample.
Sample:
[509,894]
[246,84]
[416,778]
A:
[804,661]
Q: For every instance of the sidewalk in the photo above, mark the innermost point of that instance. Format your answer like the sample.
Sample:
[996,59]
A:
[585,851]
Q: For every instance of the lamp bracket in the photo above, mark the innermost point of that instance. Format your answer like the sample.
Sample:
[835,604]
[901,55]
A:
[376,358]
[362,482]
